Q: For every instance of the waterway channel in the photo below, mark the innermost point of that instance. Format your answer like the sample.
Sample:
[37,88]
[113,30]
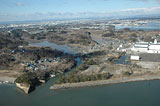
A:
[145,93]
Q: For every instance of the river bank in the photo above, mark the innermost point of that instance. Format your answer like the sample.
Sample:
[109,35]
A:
[105,82]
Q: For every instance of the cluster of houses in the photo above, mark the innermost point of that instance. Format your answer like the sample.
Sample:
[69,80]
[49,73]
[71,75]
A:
[19,49]
[40,64]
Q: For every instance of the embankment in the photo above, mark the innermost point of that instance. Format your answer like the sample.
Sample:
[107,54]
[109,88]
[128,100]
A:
[104,82]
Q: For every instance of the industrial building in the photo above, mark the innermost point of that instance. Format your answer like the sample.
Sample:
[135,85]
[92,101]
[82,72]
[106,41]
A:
[146,47]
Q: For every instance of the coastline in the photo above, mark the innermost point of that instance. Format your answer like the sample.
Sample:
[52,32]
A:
[7,80]
[105,82]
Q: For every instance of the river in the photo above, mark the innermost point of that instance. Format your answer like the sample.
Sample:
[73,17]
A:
[64,48]
[149,26]
[144,93]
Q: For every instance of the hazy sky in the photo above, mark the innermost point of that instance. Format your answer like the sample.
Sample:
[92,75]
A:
[46,9]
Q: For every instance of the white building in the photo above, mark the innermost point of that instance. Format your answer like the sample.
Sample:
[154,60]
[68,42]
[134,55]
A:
[134,57]
[146,47]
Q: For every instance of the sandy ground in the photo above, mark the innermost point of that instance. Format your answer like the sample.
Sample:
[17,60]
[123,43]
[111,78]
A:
[104,82]
[7,79]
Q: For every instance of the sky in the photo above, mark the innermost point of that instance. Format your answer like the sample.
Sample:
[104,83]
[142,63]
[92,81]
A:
[19,10]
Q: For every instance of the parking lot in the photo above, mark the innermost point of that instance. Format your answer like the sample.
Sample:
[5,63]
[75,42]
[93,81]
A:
[149,57]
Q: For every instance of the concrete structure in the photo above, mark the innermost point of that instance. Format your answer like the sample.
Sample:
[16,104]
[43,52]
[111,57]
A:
[146,47]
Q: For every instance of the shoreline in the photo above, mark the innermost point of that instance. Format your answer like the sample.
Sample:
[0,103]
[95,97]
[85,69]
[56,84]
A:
[105,82]
[7,80]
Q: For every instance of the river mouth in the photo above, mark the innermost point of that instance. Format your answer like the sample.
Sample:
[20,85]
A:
[123,94]
[64,48]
